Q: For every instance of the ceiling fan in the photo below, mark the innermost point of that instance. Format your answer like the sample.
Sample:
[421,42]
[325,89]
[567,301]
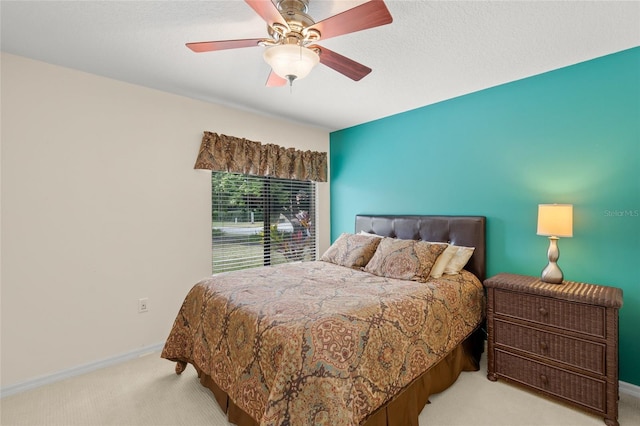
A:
[291,50]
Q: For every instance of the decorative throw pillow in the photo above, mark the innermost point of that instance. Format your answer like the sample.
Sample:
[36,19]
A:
[459,260]
[351,250]
[404,259]
[442,261]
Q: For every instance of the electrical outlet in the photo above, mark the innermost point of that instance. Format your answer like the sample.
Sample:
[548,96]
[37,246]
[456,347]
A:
[143,305]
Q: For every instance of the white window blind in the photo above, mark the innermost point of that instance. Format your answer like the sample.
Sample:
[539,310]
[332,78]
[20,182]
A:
[259,220]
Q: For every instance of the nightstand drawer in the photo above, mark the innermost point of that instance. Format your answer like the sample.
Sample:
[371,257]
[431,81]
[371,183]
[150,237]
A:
[572,316]
[574,352]
[576,388]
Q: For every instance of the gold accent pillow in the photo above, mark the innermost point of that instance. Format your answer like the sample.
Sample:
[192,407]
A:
[404,259]
[442,261]
[459,260]
[351,250]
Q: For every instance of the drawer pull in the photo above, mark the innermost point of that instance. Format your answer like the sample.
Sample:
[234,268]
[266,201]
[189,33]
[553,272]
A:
[544,346]
[544,379]
[543,312]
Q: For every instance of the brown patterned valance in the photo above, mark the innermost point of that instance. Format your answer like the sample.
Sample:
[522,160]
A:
[239,155]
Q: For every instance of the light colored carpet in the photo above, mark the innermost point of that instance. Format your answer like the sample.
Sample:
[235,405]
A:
[146,392]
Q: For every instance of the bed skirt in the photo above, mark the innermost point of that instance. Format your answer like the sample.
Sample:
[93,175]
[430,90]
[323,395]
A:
[404,409]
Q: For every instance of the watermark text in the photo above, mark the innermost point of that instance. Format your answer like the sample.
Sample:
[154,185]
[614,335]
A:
[622,213]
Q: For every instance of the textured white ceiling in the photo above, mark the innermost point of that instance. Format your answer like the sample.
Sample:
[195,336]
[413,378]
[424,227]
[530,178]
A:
[433,50]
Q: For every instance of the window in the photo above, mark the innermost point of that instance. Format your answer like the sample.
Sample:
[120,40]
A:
[259,220]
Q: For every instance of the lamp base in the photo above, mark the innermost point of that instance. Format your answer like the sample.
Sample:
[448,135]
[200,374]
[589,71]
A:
[552,273]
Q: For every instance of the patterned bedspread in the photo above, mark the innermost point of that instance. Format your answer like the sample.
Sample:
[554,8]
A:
[316,343]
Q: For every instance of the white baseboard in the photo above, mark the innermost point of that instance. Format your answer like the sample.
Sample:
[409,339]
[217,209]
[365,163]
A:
[629,389]
[76,371]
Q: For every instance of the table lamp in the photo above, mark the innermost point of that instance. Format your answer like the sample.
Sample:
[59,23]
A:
[554,221]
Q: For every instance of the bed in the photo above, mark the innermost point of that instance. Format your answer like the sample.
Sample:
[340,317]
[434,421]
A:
[324,343]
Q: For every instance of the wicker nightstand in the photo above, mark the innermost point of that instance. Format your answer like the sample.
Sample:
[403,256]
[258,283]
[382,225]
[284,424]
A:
[557,339]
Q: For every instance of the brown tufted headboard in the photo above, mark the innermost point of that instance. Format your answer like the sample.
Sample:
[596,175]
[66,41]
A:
[466,231]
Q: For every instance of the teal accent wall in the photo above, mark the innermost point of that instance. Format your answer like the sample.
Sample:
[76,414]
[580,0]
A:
[567,136]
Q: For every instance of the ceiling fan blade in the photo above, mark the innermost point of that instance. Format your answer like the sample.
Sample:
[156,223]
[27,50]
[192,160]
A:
[210,46]
[274,80]
[368,15]
[342,64]
[268,11]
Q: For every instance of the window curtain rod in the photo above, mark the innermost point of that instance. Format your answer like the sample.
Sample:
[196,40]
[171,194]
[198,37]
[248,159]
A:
[238,155]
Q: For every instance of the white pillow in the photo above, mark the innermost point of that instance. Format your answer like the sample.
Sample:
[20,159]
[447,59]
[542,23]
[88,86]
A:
[443,260]
[368,234]
[459,260]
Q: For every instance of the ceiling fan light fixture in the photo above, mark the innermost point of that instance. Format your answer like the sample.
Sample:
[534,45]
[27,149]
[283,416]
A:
[290,61]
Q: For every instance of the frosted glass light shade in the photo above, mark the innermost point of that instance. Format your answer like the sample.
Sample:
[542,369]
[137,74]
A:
[291,61]
[555,220]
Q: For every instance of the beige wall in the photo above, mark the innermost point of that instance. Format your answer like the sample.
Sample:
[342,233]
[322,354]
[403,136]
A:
[101,206]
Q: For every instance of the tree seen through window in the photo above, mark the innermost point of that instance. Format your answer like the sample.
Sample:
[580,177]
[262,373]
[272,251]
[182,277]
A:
[260,221]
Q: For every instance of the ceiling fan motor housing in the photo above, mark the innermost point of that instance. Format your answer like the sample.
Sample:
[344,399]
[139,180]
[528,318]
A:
[295,13]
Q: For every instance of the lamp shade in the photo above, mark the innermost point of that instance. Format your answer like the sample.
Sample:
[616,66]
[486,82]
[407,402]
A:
[555,220]
[291,61]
